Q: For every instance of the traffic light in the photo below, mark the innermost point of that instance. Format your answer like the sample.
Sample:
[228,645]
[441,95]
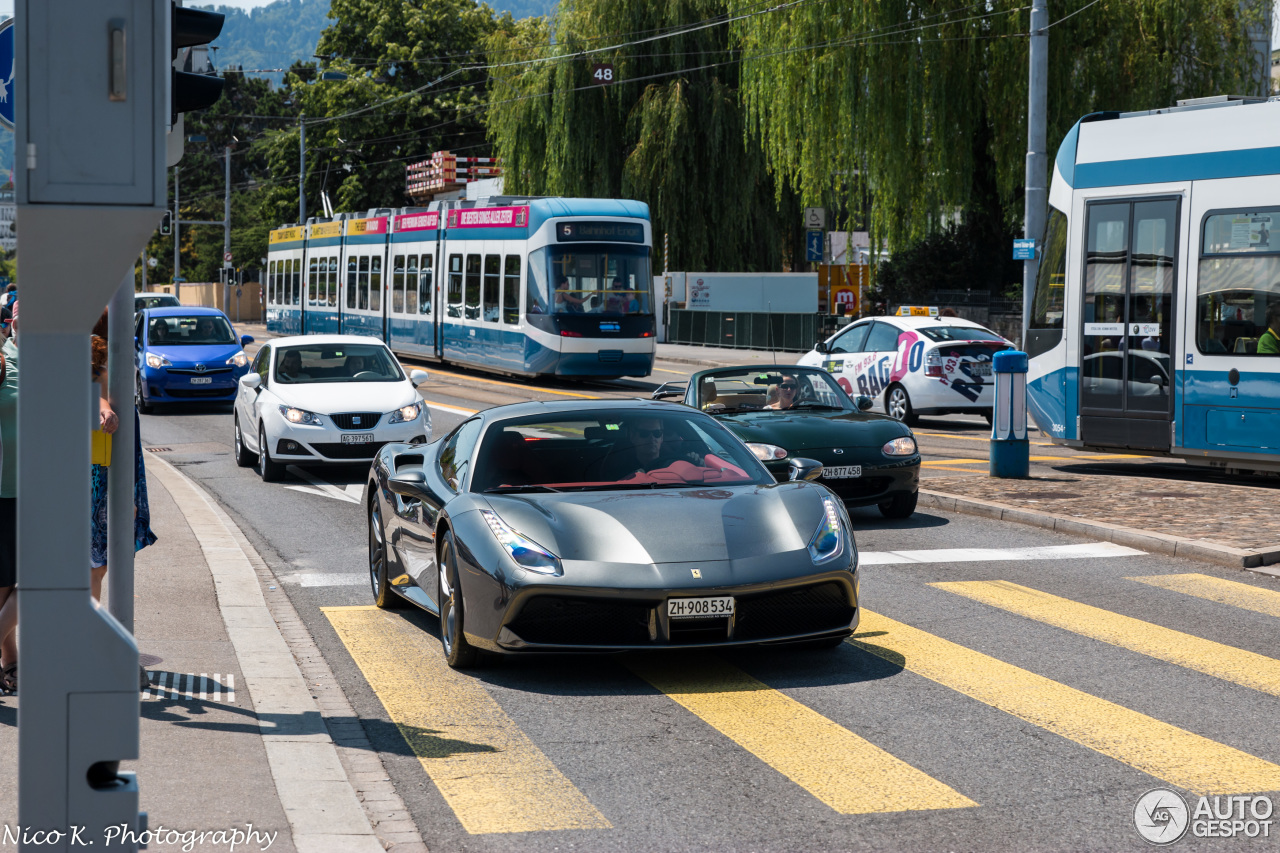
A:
[194,86]
[166,224]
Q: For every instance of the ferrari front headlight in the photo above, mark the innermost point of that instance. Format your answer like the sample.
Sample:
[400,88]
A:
[527,553]
[828,540]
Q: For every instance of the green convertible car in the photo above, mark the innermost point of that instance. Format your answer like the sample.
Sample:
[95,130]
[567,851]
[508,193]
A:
[788,412]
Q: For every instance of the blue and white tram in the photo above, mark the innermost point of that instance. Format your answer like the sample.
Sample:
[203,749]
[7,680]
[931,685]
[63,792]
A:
[1159,278]
[527,287]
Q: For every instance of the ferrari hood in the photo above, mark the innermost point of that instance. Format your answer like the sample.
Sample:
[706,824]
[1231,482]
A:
[803,430]
[667,525]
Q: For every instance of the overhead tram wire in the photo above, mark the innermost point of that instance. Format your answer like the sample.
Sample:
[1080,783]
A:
[1073,14]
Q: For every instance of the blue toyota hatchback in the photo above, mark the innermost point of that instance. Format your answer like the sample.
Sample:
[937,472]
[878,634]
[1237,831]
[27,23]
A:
[187,355]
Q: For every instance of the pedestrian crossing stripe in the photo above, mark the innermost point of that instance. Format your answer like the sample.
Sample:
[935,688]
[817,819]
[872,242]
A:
[489,772]
[848,773]
[189,687]
[1237,666]
[1236,594]
[1164,751]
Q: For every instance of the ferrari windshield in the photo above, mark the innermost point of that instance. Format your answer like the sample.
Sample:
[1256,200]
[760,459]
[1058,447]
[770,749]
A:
[616,449]
[775,389]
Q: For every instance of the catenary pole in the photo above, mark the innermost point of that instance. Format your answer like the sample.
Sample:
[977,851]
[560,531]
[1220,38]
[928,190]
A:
[177,260]
[226,234]
[302,171]
[1037,191]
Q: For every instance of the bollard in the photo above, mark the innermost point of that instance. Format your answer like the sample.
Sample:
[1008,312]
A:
[1010,450]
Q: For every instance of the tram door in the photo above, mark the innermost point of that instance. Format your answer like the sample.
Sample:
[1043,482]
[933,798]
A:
[1130,283]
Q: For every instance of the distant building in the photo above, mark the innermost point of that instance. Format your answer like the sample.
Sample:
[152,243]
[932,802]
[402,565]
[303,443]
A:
[8,221]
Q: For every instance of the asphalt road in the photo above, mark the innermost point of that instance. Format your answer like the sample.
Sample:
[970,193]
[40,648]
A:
[1027,704]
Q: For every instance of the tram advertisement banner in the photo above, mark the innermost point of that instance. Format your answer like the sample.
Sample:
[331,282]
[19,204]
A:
[377,225]
[285,235]
[418,222]
[489,217]
[324,229]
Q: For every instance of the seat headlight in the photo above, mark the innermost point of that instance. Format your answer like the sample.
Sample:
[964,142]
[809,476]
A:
[404,414]
[300,416]
[154,360]
[238,360]
[766,452]
[828,540]
[527,553]
[905,446]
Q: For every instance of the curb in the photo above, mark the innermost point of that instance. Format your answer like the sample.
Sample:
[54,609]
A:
[1161,543]
[313,759]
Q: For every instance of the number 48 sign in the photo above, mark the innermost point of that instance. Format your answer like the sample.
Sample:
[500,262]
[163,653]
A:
[602,73]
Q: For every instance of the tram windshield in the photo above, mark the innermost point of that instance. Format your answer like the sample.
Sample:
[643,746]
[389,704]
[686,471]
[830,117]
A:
[597,279]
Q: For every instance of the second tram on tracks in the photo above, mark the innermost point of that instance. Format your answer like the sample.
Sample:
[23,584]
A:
[1156,311]
[521,286]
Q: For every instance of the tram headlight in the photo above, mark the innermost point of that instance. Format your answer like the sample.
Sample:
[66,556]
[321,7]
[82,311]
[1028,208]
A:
[238,360]
[157,361]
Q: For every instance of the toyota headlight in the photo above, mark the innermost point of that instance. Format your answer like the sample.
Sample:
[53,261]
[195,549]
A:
[154,360]
[404,414]
[300,416]
[828,540]
[527,553]
[238,360]
[766,452]
[905,446]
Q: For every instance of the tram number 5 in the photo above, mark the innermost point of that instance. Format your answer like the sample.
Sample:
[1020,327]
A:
[602,73]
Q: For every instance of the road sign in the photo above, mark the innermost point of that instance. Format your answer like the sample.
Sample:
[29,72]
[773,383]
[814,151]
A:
[813,246]
[1024,250]
[151,262]
[6,83]
[815,218]
[226,256]
[602,74]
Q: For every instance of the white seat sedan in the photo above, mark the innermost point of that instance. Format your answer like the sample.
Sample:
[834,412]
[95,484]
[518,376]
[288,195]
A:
[325,398]
[912,366]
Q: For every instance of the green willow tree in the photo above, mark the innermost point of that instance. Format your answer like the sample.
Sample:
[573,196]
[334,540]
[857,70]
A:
[669,130]
[419,61]
[921,104]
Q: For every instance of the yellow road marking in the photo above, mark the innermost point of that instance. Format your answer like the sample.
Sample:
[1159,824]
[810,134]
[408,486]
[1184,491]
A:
[1236,594]
[457,410]
[841,769]
[1167,752]
[489,772]
[974,438]
[1238,666]
[676,372]
[1033,459]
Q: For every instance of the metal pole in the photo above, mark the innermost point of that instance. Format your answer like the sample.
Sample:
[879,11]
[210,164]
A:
[177,260]
[1037,193]
[120,375]
[302,171]
[226,235]
[143,264]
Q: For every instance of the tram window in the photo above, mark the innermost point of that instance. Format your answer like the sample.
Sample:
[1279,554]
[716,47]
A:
[492,287]
[362,285]
[411,285]
[311,281]
[511,291]
[271,281]
[1238,298]
[592,273]
[397,284]
[297,281]
[537,300]
[375,283]
[1049,300]
[351,282]
[334,277]
[455,285]
[424,286]
[472,301]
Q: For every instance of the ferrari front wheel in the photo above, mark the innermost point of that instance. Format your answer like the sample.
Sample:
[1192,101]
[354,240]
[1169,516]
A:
[458,653]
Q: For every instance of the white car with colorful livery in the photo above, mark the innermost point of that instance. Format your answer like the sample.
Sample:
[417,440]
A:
[912,366]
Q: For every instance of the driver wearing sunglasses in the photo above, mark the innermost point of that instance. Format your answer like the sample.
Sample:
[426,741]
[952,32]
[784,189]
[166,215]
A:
[642,449]
[788,393]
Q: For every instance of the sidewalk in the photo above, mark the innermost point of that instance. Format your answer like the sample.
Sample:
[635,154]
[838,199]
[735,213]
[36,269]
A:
[244,723]
[1191,515]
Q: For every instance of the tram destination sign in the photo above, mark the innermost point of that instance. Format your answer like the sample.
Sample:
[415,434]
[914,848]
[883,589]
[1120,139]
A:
[595,232]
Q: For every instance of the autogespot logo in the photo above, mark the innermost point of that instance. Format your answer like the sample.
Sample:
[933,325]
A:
[1161,816]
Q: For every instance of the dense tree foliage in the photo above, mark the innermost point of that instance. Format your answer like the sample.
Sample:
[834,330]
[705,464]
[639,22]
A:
[669,131]
[923,102]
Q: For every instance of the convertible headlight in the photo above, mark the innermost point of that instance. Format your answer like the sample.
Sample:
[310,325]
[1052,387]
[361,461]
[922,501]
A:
[766,452]
[238,360]
[404,414]
[523,550]
[904,446]
[300,416]
[154,360]
[828,540]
